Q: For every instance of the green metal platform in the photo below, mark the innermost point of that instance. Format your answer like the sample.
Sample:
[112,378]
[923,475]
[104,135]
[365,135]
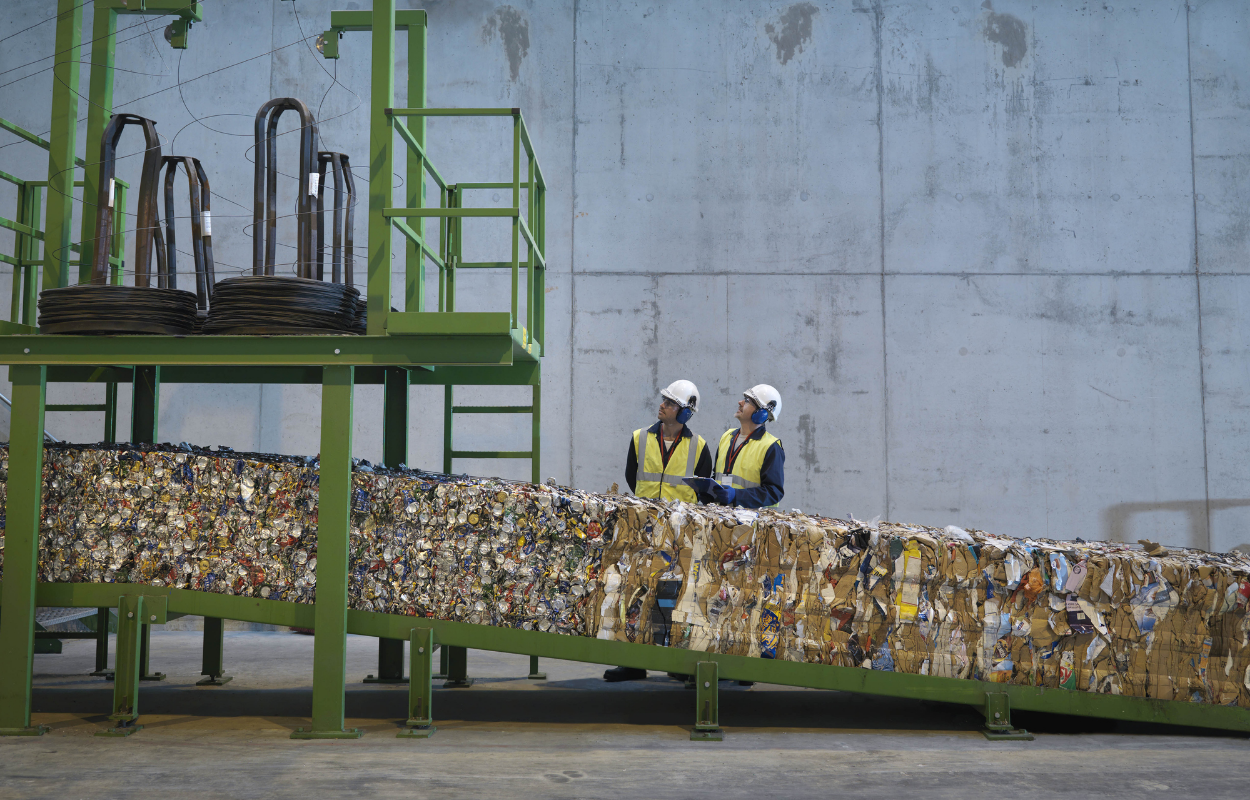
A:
[422,345]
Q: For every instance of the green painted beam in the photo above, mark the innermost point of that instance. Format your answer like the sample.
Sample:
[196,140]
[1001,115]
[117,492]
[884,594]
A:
[415,145]
[668,659]
[416,239]
[62,144]
[461,323]
[520,373]
[363,20]
[99,110]
[453,112]
[33,138]
[334,508]
[445,348]
[381,164]
[450,212]
[21,552]
[492,410]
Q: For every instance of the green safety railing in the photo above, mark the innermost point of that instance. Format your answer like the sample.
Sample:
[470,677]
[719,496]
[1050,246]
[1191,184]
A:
[26,254]
[528,217]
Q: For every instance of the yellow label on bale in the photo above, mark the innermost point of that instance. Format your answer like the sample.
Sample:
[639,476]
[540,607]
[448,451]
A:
[909,585]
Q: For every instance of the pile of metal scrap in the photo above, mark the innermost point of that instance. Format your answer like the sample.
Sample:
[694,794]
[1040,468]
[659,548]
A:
[1096,617]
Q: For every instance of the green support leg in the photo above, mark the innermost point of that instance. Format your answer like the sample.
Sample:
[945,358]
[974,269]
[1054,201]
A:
[998,720]
[420,724]
[145,405]
[707,713]
[443,660]
[457,668]
[214,668]
[110,412]
[381,165]
[535,675]
[394,453]
[390,662]
[62,142]
[134,614]
[334,517]
[145,650]
[25,490]
[102,644]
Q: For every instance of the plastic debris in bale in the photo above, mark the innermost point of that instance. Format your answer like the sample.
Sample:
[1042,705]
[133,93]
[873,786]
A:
[1171,624]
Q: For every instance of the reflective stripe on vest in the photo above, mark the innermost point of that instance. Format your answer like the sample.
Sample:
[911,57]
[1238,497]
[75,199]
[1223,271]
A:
[654,479]
[750,460]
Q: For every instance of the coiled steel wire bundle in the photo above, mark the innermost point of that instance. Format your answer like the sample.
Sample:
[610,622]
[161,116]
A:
[98,307]
[275,304]
[264,303]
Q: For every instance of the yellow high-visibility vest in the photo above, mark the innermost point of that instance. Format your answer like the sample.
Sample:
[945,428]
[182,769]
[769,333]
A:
[656,480]
[747,464]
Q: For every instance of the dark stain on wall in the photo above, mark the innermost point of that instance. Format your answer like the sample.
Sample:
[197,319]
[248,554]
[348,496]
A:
[514,31]
[1009,32]
[792,31]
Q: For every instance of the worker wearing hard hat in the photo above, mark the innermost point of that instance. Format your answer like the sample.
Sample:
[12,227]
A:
[662,455]
[660,458]
[750,462]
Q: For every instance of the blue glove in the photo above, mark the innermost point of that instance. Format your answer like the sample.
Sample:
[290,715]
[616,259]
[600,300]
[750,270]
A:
[722,494]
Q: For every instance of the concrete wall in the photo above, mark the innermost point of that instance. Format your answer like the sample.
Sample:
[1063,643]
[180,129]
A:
[992,254]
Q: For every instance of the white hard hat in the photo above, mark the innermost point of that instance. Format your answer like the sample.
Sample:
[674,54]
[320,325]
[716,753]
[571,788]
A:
[766,397]
[683,393]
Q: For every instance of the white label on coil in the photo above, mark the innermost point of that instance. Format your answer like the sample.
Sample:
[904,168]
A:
[112,186]
[314,182]
[208,223]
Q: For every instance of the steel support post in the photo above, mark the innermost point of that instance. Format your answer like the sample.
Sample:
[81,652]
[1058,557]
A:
[21,551]
[214,668]
[441,675]
[145,407]
[998,720]
[535,675]
[145,652]
[457,668]
[381,163]
[62,143]
[110,412]
[707,712]
[102,644]
[99,110]
[135,613]
[536,432]
[414,262]
[448,419]
[333,528]
[394,453]
[420,724]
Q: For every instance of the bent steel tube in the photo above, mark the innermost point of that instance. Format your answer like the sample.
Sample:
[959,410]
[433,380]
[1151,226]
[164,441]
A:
[344,194]
[201,245]
[146,230]
[265,188]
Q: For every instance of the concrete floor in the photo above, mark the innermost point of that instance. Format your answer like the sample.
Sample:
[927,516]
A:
[569,736]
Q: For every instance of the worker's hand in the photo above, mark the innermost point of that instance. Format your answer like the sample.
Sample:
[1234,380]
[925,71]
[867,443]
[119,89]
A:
[722,494]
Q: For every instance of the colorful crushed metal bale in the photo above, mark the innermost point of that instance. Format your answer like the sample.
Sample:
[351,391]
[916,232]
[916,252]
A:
[1097,617]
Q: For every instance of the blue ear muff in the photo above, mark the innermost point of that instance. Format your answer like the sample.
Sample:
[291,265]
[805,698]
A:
[760,416]
[684,415]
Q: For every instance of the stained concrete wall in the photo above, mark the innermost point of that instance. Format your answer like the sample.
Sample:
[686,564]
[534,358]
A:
[992,254]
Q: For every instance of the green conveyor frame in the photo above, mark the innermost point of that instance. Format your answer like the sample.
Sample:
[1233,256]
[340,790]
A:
[443,347]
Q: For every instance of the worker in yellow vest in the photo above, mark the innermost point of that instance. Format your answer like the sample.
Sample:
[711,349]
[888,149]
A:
[750,462]
[660,457]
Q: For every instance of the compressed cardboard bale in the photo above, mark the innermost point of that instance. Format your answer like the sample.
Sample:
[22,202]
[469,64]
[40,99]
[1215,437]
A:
[1104,617]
